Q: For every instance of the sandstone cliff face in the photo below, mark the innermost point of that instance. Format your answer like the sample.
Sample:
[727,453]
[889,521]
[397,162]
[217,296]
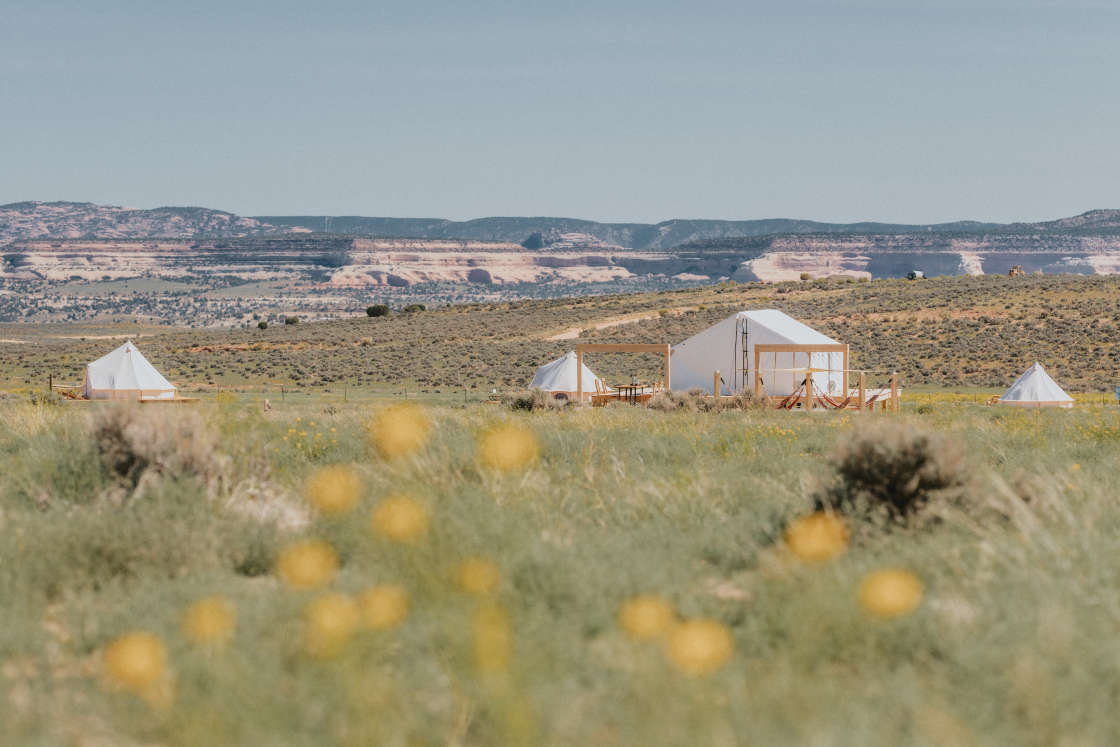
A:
[345,262]
[339,262]
[46,241]
[787,257]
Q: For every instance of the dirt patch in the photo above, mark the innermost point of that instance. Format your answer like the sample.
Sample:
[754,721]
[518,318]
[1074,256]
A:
[572,333]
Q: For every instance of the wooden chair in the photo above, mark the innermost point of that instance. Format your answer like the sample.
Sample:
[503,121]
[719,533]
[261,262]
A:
[603,394]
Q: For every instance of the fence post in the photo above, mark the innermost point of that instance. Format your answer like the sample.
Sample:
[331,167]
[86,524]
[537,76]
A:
[808,391]
[894,391]
[715,384]
[862,391]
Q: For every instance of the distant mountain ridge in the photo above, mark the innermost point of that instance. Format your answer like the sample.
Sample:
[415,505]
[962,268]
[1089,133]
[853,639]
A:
[86,220]
[83,220]
[648,236]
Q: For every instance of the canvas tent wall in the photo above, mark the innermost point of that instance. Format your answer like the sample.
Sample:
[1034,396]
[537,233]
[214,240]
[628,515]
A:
[729,347]
[1035,388]
[125,374]
[559,377]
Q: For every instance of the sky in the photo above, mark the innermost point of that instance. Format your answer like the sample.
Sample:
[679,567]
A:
[914,111]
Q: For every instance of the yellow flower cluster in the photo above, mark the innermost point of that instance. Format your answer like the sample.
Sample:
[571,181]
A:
[399,430]
[313,443]
[695,647]
[817,537]
[334,490]
[383,607]
[330,621]
[307,565]
[493,639]
[508,446]
[137,662]
[400,518]
[890,593]
[479,576]
[210,622]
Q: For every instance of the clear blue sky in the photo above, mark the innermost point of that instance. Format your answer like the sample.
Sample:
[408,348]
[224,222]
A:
[901,110]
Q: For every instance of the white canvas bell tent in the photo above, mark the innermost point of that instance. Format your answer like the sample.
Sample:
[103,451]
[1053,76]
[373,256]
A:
[1035,388]
[559,377]
[125,374]
[729,347]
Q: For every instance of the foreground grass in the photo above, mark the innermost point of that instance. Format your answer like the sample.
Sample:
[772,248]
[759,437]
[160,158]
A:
[1015,641]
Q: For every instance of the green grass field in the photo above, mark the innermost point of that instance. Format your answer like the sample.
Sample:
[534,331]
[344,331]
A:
[113,523]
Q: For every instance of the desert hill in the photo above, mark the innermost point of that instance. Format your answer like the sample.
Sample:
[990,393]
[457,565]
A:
[952,331]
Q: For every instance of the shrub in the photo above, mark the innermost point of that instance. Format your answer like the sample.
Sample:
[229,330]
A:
[412,307]
[291,320]
[377,309]
[142,445]
[262,325]
[894,469]
[533,400]
[805,276]
[668,400]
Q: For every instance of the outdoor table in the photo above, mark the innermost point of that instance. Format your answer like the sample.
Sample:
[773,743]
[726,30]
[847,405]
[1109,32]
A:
[630,392]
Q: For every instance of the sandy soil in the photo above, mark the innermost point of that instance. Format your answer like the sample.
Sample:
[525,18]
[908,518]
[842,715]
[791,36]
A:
[572,333]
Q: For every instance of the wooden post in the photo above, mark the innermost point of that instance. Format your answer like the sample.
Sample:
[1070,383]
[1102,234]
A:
[757,375]
[579,375]
[715,384]
[808,390]
[50,384]
[668,352]
[862,391]
[845,376]
[894,391]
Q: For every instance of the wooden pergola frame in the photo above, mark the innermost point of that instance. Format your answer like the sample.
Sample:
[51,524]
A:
[587,347]
[807,398]
[761,348]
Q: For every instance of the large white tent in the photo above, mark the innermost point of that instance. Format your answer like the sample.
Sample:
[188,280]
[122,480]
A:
[559,376]
[729,347]
[125,374]
[1035,388]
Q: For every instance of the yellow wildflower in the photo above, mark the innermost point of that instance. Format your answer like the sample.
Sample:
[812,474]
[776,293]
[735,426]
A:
[817,537]
[890,593]
[699,647]
[646,616]
[209,621]
[400,518]
[508,446]
[331,619]
[492,638]
[479,576]
[399,430]
[137,662]
[334,490]
[307,564]
[383,607]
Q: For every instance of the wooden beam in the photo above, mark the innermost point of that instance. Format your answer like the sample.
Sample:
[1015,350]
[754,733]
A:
[846,370]
[589,347]
[894,391]
[757,373]
[668,383]
[808,391]
[862,391]
[830,348]
[715,384]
